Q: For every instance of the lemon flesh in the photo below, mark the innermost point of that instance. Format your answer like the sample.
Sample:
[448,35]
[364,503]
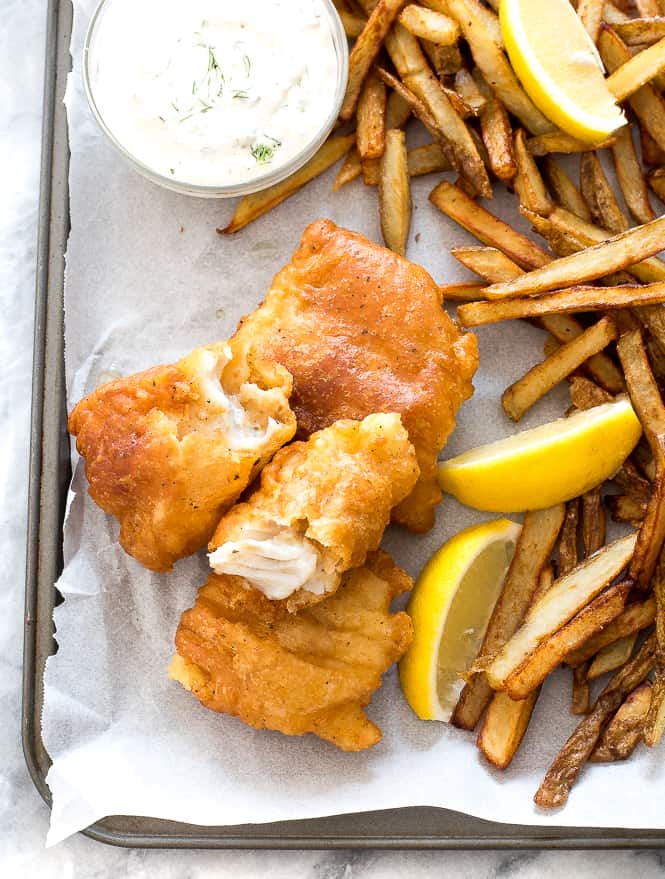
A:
[546,465]
[450,607]
[559,67]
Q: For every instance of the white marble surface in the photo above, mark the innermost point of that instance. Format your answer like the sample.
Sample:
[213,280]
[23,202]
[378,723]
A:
[23,817]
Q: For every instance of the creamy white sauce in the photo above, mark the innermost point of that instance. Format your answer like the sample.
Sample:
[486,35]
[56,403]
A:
[224,412]
[213,92]
[278,561]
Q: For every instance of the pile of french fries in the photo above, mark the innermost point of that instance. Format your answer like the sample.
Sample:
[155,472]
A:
[594,284]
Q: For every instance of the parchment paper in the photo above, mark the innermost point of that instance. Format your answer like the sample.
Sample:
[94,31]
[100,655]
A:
[148,279]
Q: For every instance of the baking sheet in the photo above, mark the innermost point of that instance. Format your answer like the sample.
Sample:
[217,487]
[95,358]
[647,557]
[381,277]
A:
[149,305]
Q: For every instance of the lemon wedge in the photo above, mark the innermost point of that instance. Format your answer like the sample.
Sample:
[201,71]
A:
[546,465]
[559,67]
[450,607]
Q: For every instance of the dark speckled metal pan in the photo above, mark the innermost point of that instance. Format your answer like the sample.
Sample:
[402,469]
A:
[49,475]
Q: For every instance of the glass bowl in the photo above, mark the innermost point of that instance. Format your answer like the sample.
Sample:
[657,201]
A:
[263,181]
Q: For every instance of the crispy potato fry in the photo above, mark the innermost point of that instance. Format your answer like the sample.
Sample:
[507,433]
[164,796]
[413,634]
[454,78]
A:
[353,23]
[652,154]
[637,616]
[489,20]
[628,479]
[593,521]
[411,64]
[459,105]
[419,110]
[598,194]
[371,171]
[536,541]
[624,731]
[462,291]
[647,8]
[430,25]
[612,255]
[637,71]
[564,327]
[612,656]
[568,539]
[505,722]
[627,508]
[612,14]
[648,404]
[395,192]
[486,227]
[646,102]
[529,184]
[585,394]
[656,180]
[655,721]
[427,159]
[370,118]
[581,694]
[496,132]
[564,301]
[591,15]
[563,189]
[445,60]
[467,89]
[563,772]
[398,111]
[494,65]
[541,378]
[488,262]
[552,649]
[350,170]
[365,49]
[559,142]
[253,206]
[630,177]
[559,605]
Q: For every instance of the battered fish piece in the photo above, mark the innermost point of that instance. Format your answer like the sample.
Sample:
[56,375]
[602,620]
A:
[363,330]
[167,451]
[241,654]
[322,506]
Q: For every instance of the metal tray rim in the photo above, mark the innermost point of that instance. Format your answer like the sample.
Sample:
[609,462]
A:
[41,564]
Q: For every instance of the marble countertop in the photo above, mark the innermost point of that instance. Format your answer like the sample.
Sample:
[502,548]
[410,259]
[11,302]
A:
[23,816]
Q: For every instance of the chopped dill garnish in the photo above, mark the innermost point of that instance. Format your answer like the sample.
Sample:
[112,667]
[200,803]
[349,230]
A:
[172,170]
[174,106]
[185,118]
[212,61]
[194,87]
[262,153]
[248,65]
[241,96]
[277,143]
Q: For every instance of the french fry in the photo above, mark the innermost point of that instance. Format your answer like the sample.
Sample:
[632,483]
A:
[370,118]
[648,404]
[398,111]
[506,720]
[591,16]
[488,262]
[353,23]
[612,656]
[466,88]
[426,159]
[579,703]
[624,731]
[655,721]
[656,180]
[652,154]
[430,25]
[637,616]
[365,49]
[253,206]
[462,291]
[585,394]
[598,194]
[489,20]
[647,8]
[600,367]
[564,301]
[419,110]
[494,65]
[593,521]
[445,60]
[371,171]
[594,262]
[629,480]
[630,177]
[551,651]
[637,71]
[541,378]
[563,189]
[486,227]
[627,508]
[654,320]
[411,64]
[529,184]
[350,170]
[558,606]
[646,102]
[568,539]
[395,192]
[539,533]
[559,142]
[612,14]
[563,772]
[457,102]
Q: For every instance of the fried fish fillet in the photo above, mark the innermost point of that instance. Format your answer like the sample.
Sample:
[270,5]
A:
[167,451]
[241,654]
[363,330]
[322,506]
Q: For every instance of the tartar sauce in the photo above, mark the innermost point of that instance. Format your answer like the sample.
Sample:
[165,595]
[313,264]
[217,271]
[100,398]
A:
[213,92]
